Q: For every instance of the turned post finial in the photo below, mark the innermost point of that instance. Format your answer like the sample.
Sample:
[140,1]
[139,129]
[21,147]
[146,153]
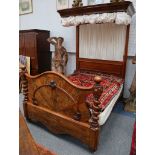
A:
[98,79]
[97,91]
[22,67]
[22,71]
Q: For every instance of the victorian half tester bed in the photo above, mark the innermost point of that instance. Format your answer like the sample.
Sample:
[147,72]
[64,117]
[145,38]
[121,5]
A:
[78,104]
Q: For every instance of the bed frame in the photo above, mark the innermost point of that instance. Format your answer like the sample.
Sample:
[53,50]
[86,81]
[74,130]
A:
[64,111]
[52,100]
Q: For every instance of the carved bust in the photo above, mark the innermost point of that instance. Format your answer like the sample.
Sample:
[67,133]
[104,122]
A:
[77,3]
[60,58]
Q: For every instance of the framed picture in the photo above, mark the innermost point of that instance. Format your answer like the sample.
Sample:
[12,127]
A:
[94,2]
[91,2]
[62,4]
[25,7]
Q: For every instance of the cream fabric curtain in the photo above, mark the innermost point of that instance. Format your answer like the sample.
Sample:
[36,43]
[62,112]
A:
[102,41]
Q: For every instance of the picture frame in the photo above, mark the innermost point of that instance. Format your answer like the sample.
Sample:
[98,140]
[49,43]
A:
[25,7]
[95,2]
[62,4]
[91,2]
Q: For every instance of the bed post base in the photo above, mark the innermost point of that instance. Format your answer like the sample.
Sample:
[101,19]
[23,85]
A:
[94,140]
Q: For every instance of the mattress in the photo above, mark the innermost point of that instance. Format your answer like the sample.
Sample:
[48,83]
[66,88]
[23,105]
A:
[112,88]
[105,114]
[111,85]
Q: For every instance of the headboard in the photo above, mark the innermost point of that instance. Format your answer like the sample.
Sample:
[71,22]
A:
[97,63]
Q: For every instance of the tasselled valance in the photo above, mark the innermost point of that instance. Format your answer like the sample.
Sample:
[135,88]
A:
[117,18]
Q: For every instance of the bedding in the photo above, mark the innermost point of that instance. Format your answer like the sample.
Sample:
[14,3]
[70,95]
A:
[103,116]
[111,86]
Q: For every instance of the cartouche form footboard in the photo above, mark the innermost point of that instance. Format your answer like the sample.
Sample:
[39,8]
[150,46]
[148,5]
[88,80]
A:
[51,99]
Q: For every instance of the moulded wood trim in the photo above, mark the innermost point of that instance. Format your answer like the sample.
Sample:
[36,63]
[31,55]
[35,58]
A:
[59,75]
[125,6]
[105,66]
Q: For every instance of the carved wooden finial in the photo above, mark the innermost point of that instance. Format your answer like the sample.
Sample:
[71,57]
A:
[97,91]
[77,3]
[22,67]
[98,79]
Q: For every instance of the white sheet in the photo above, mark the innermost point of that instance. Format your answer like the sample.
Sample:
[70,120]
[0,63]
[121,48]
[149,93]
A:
[105,114]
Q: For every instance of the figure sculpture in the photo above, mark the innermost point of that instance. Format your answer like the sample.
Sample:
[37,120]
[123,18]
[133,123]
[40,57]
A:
[77,3]
[60,59]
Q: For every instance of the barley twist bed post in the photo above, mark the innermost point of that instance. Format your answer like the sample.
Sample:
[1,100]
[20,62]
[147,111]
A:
[97,91]
[94,124]
[25,89]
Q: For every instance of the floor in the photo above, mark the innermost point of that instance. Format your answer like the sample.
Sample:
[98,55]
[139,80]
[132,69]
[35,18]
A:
[115,136]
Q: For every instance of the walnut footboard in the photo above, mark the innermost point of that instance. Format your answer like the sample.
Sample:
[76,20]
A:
[52,100]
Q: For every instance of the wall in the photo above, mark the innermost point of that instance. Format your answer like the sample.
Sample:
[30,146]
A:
[45,16]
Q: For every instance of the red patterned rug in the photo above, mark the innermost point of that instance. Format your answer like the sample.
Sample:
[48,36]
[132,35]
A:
[110,83]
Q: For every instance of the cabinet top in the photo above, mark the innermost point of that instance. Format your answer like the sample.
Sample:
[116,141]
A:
[34,30]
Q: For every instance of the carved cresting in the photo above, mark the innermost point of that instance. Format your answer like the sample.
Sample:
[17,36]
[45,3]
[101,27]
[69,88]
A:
[97,91]
[25,89]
